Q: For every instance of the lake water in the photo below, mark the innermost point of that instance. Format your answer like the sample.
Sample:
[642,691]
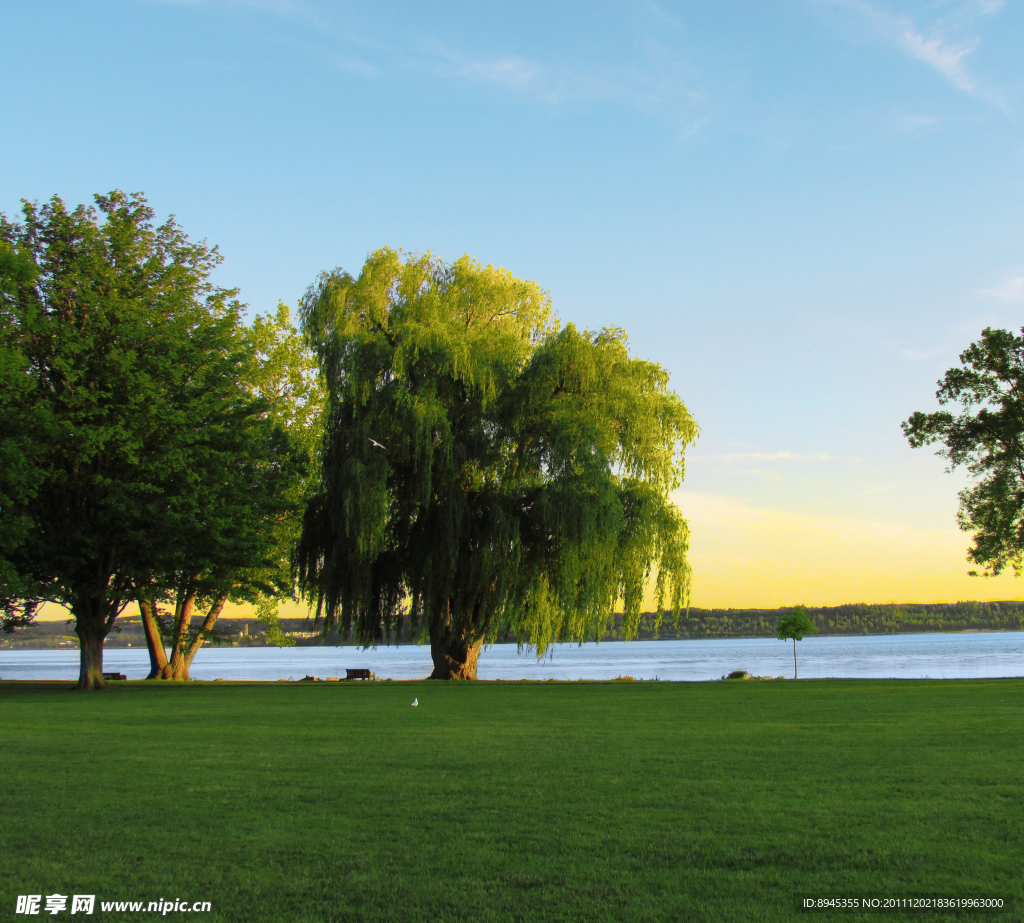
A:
[938,656]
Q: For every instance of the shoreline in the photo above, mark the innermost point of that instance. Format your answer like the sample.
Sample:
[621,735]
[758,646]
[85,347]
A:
[38,645]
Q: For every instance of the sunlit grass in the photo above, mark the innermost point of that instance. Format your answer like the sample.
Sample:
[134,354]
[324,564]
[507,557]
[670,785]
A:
[513,801]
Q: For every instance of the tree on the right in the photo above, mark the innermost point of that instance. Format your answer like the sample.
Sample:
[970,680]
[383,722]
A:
[987,438]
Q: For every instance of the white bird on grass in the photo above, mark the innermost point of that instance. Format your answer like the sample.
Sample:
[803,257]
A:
[415,702]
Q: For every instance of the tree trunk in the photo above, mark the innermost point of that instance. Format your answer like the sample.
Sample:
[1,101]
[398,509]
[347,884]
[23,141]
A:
[454,659]
[794,658]
[90,671]
[91,628]
[177,669]
[155,643]
[94,611]
[208,623]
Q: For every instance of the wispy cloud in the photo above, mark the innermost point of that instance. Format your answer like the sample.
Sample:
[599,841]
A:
[284,9]
[944,44]
[656,79]
[917,352]
[916,355]
[279,7]
[947,59]
[207,65]
[296,10]
[909,121]
[658,13]
[768,456]
[656,83]
[1011,290]
[512,72]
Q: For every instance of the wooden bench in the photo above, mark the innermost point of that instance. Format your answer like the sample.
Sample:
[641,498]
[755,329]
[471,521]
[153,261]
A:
[109,676]
[358,674]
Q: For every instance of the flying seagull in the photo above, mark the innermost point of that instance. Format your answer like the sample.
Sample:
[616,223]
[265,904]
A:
[377,444]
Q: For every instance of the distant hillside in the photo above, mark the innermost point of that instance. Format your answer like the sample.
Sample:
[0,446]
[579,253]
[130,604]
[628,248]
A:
[853,619]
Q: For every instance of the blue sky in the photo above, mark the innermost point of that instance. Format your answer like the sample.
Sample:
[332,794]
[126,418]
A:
[804,209]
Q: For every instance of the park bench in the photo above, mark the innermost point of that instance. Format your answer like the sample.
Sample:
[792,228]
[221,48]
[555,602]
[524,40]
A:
[358,674]
[114,676]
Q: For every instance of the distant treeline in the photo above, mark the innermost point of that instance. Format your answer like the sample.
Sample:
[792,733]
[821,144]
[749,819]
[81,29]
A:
[853,619]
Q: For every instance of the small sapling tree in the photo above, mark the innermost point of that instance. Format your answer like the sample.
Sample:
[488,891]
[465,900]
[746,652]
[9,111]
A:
[795,625]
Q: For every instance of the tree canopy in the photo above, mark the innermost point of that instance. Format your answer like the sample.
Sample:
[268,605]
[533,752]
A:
[151,468]
[987,438]
[482,468]
[21,430]
[245,489]
[795,625]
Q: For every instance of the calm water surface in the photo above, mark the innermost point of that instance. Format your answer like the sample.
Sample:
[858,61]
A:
[938,656]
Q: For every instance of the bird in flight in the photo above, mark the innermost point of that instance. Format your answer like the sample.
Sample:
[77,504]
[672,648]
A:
[377,444]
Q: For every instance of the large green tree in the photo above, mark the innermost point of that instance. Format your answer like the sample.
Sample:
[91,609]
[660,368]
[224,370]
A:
[235,512]
[987,438]
[483,471]
[242,494]
[129,359]
[22,436]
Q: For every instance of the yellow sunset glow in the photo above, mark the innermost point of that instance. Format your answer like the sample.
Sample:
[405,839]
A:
[747,557]
[744,557]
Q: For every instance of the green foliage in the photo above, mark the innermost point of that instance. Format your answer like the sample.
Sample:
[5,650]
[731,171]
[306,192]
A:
[987,437]
[248,485]
[267,615]
[24,435]
[146,462]
[795,624]
[482,468]
[97,313]
[232,501]
[19,483]
[284,373]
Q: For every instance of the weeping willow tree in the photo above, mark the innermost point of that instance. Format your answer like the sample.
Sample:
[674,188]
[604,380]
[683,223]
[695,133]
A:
[483,471]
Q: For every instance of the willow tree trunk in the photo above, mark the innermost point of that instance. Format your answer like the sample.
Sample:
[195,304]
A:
[454,658]
[154,641]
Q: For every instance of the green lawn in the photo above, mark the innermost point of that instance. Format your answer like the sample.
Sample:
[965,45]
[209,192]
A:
[513,801]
